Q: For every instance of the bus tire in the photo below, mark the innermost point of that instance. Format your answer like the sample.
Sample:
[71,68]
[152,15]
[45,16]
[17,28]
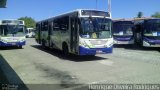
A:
[65,50]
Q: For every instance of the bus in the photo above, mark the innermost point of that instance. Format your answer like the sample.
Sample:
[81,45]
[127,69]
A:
[12,33]
[123,31]
[30,32]
[147,32]
[80,32]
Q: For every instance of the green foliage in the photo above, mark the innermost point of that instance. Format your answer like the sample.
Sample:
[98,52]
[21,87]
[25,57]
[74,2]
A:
[156,15]
[29,22]
[140,15]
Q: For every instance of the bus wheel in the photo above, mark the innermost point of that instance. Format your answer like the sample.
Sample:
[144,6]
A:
[65,50]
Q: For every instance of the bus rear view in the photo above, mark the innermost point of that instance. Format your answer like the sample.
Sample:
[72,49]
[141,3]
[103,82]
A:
[123,32]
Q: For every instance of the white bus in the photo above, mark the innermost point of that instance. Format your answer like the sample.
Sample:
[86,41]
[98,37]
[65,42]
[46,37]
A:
[80,32]
[147,32]
[123,31]
[30,32]
[12,33]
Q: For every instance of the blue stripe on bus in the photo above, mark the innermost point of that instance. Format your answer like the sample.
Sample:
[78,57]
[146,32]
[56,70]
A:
[93,51]
[124,38]
[12,43]
[151,41]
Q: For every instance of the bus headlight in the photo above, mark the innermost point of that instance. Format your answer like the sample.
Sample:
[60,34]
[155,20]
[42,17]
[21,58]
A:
[109,44]
[22,40]
[4,41]
[83,44]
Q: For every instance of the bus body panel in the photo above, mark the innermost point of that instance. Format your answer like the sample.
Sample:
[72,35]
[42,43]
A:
[92,47]
[150,42]
[12,41]
[124,40]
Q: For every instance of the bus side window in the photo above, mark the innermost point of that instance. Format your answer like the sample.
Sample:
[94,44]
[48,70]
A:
[0,30]
[56,25]
[43,27]
[37,27]
[64,23]
[29,30]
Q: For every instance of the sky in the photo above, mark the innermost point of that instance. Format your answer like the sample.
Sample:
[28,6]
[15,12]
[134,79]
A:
[42,9]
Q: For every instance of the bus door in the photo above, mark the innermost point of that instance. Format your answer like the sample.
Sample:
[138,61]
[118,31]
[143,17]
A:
[74,34]
[138,33]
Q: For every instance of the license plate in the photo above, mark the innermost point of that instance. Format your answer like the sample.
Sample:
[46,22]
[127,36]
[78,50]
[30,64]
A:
[98,51]
[13,43]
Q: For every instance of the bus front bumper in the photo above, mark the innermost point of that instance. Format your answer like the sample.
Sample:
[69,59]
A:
[124,42]
[12,43]
[94,51]
[150,44]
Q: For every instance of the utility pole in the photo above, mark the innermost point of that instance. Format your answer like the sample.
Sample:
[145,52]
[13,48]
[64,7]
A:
[109,7]
[96,4]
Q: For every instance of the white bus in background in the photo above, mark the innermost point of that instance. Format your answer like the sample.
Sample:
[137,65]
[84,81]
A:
[80,32]
[123,31]
[147,32]
[30,32]
[12,33]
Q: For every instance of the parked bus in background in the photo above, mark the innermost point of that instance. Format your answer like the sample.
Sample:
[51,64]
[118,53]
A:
[80,32]
[123,31]
[30,32]
[148,32]
[12,33]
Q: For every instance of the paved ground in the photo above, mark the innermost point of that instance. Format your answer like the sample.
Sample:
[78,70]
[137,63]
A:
[36,67]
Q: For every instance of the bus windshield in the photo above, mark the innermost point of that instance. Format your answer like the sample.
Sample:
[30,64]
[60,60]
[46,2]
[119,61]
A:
[152,26]
[12,30]
[122,29]
[95,28]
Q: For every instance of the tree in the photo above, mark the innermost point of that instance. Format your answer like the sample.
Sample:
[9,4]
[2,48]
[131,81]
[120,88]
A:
[156,15]
[140,15]
[29,22]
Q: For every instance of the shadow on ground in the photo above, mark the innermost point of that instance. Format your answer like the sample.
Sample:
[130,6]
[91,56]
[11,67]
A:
[9,48]
[9,78]
[137,47]
[75,58]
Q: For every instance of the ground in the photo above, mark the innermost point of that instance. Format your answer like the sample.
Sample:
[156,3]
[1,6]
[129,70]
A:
[37,67]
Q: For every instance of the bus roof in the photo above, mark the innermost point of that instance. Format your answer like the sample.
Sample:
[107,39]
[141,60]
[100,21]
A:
[141,20]
[145,18]
[74,11]
[11,22]
[123,19]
